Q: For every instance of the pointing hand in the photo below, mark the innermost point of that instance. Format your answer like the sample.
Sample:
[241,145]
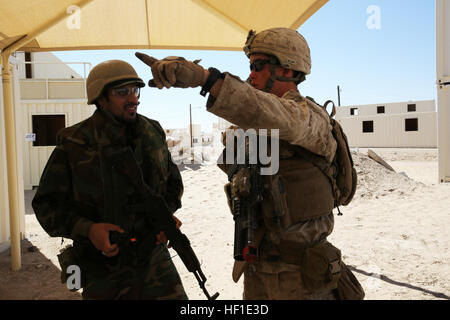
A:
[174,72]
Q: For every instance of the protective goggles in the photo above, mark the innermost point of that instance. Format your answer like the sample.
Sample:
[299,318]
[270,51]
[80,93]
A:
[258,64]
[124,92]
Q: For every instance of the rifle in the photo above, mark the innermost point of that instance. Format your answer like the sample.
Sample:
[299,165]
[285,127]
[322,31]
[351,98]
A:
[157,213]
[246,195]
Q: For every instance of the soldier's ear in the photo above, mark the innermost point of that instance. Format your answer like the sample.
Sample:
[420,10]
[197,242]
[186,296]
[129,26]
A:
[102,101]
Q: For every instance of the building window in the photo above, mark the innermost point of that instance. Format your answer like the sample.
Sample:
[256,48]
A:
[380,109]
[353,111]
[412,124]
[28,70]
[411,107]
[46,127]
[367,126]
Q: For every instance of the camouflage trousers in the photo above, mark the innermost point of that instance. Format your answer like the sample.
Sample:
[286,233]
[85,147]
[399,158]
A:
[284,285]
[159,280]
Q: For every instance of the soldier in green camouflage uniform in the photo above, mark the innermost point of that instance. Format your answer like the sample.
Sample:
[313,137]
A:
[83,196]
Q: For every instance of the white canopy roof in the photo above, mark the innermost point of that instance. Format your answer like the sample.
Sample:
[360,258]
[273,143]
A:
[151,24]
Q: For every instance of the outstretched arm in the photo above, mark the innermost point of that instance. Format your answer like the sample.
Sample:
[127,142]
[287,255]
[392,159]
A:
[177,72]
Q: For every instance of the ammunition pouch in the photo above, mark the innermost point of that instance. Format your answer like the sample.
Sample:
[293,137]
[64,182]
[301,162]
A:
[276,212]
[348,287]
[321,267]
[67,257]
[320,264]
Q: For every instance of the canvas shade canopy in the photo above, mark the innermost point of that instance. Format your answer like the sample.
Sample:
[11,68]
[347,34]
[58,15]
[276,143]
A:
[140,24]
[54,25]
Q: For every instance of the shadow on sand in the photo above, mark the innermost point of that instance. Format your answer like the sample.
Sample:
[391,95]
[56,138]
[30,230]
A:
[193,166]
[38,279]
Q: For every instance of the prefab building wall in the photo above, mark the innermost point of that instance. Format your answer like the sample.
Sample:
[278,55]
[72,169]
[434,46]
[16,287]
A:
[39,140]
[385,108]
[411,124]
[405,130]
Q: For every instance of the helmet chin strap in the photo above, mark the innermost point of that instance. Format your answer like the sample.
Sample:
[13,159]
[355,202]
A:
[273,77]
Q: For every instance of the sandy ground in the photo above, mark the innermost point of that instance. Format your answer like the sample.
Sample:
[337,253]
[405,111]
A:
[394,234]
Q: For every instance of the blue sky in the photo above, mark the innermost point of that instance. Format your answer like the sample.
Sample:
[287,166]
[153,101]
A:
[391,63]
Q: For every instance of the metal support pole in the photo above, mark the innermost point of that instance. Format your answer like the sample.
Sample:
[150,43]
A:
[190,122]
[11,162]
[190,127]
[339,96]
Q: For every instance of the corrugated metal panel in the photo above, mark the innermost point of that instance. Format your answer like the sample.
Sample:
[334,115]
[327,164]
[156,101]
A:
[35,157]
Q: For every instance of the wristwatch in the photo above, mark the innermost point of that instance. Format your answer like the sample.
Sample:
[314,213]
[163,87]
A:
[214,75]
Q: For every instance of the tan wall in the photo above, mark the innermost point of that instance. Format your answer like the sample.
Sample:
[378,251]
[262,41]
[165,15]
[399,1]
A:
[35,158]
[389,131]
[33,90]
[52,89]
[66,90]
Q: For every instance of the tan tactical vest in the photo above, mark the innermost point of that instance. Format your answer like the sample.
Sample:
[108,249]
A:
[299,191]
[308,192]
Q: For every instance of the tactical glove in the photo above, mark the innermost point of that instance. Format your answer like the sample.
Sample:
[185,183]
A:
[173,72]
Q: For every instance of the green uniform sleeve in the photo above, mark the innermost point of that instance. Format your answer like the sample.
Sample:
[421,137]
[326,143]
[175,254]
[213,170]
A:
[175,187]
[53,203]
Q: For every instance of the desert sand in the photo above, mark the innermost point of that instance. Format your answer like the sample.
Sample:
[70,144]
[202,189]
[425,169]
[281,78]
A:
[394,234]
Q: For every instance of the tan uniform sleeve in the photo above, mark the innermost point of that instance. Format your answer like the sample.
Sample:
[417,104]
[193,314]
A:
[300,123]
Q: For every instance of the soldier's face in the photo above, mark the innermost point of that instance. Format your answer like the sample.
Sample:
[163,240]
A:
[122,102]
[260,74]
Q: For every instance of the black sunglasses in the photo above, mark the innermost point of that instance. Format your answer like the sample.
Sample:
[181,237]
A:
[258,64]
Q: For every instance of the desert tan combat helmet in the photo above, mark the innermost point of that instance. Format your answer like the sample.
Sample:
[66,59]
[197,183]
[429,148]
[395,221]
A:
[289,46]
[111,72]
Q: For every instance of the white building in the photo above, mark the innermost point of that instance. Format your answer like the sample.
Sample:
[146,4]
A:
[411,124]
[48,96]
[52,97]
[180,144]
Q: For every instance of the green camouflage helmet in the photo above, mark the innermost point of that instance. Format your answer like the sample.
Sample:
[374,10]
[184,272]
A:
[286,44]
[107,72]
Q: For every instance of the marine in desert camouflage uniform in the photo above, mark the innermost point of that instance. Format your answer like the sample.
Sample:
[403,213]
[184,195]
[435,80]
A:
[296,261]
[83,196]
